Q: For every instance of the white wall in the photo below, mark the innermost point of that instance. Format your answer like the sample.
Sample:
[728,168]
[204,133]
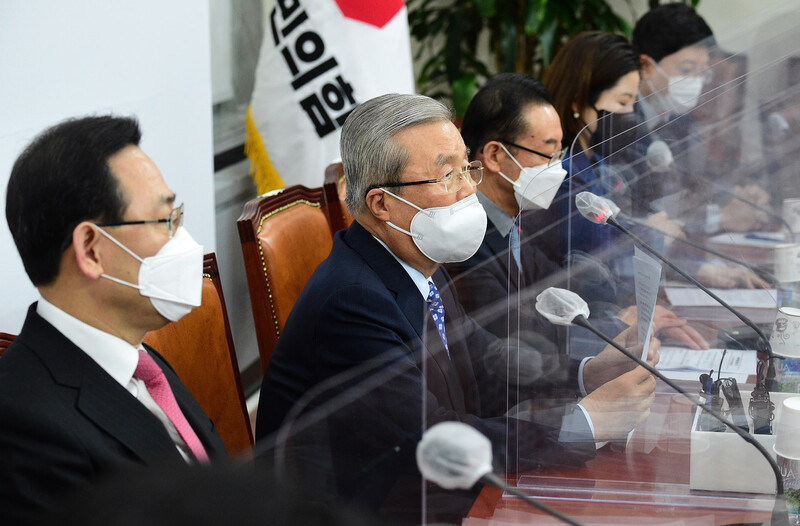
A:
[147,58]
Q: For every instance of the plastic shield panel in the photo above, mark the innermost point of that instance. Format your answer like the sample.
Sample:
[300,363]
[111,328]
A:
[713,189]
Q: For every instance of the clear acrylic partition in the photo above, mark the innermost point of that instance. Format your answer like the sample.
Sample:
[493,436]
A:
[513,376]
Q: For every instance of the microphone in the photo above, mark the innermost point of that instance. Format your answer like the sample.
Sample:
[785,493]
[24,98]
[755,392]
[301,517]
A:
[564,307]
[659,159]
[455,455]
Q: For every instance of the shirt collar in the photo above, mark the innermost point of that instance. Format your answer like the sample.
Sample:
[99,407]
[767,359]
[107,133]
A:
[116,356]
[501,221]
[416,276]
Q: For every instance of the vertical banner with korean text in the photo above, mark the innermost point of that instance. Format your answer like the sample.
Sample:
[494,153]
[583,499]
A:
[319,60]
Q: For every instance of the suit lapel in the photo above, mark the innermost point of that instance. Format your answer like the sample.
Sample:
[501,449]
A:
[393,275]
[500,248]
[100,399]
[411,302]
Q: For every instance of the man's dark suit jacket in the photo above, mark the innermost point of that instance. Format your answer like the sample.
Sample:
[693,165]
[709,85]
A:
[361,314]
[64,422]
[500,297]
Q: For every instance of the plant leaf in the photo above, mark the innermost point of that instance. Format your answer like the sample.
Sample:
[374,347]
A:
[486,8]
[463,90]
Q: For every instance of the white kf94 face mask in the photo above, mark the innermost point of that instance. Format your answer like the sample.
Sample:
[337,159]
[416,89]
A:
[172,278]
[537,185]
[684,92]
[447,234]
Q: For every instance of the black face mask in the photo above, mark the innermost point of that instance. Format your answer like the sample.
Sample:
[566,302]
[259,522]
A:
[615,132]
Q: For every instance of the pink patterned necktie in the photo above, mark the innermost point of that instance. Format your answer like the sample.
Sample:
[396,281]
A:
[150,373]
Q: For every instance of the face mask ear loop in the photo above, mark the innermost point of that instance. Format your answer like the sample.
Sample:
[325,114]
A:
[430,214]
[415,236]
[120,245]
[504,176]
[117,280]
[503,146]
[126,249]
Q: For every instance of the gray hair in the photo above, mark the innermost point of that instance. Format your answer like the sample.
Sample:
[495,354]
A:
[369,154]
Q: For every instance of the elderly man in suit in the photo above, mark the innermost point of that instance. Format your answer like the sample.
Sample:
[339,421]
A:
[100,237]
[381,302]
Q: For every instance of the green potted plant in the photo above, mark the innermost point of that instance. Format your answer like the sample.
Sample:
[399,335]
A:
[523,36]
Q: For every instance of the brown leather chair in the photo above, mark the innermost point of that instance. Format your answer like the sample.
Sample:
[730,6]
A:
[285,234]
[334,192]
[200,348]
[5,341]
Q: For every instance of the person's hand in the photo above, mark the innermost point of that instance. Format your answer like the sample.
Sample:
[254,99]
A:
[617,406]
[720,276]
[737,216]
[661,221]
[667,324]
[611,363]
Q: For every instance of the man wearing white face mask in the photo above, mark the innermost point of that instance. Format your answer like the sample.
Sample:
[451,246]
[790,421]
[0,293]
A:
[81,396]
[381,299]
[675,46]
[673,42]
[513,130]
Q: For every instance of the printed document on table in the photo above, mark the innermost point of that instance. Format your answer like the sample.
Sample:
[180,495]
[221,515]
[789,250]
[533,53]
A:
[736,298]
[681,363]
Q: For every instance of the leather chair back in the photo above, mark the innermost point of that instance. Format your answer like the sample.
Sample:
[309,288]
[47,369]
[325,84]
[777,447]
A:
[200,348]
[5,341]
[285,234]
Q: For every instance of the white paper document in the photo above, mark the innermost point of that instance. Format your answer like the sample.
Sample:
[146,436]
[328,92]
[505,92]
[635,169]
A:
[681,363]
[736,298]
[749,239]
[647,276]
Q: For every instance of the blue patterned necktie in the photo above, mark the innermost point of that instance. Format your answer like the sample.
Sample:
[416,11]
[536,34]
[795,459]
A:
[437,311]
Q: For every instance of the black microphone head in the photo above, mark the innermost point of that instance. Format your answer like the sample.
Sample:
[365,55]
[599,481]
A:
[595,208]
[561,306]
[659,156]
[454,455]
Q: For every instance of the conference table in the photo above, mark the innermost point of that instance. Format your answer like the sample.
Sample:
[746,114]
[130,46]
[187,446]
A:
[645,481]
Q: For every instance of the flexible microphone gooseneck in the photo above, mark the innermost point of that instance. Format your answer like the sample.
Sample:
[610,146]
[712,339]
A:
[601,211]
[456,455]
[659,159]
[762,273]
[564,307]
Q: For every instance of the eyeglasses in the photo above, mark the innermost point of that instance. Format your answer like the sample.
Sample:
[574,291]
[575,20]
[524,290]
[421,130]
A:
[553,158]
[174,220]
[451,183]
[691,69]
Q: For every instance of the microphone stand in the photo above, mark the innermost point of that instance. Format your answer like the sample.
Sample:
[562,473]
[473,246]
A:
[494,480]
[763,274]
[780,514]
[766,348]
